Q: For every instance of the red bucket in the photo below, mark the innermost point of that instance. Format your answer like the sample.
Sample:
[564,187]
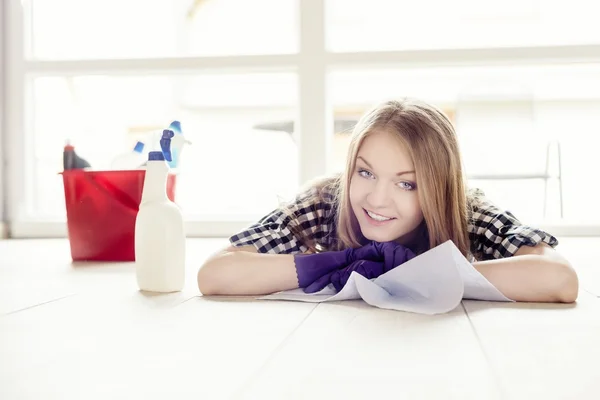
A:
[101,211]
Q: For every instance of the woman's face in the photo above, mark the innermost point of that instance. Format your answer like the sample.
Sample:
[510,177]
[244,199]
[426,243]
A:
[383,190]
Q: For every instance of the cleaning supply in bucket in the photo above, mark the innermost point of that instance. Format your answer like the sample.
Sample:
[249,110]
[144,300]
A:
[131,160]
[71,160]
[179,141]
[159,228]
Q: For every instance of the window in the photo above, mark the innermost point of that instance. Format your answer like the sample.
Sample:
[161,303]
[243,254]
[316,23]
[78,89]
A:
[268,90]
[161,28]
[223,115]
[513,123]
[380,25]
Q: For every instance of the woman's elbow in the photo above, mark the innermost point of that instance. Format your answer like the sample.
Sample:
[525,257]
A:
[207,280]
[568,288]
[211,275]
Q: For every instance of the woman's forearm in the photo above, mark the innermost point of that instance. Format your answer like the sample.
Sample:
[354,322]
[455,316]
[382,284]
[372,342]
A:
[532,278]
[247,274]
[543,277]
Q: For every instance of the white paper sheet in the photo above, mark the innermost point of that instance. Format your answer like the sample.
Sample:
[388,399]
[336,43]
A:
[432,283]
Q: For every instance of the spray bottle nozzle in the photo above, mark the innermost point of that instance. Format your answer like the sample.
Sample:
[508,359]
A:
[139,147]
[175,126]
[165,143]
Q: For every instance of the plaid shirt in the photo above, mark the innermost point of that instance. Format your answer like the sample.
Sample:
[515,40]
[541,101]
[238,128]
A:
[493,233]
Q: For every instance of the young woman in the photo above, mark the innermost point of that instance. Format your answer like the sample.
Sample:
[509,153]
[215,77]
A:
[402,193]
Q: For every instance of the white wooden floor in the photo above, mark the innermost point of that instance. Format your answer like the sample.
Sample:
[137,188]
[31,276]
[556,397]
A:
[84,331]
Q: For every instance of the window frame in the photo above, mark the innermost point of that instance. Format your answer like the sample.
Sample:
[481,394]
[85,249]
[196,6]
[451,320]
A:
[3,144]
[312,64]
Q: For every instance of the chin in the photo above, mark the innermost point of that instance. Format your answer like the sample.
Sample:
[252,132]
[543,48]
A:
[380,237]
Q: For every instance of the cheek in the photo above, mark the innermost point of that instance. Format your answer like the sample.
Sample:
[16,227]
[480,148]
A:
[410,207]
[354,192]
[417,211]
[359,190]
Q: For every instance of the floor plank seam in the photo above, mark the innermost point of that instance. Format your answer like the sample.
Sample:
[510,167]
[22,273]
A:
[186,300]
[589,292]
[242,388]
[38,305]
[494,372]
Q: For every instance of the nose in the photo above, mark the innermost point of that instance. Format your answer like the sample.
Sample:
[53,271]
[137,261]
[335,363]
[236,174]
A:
[379,196]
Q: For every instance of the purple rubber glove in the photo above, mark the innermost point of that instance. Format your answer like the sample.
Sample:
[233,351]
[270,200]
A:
[311,267]
[389,256]
[393,254]
[368,269]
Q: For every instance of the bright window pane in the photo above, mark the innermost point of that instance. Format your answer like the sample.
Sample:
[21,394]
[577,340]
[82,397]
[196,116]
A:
[238,166]
[73,29]
[379,25]
[505,118]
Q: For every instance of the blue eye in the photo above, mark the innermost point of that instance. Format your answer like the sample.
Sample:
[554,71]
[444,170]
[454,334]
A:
[407,185]
[364,173]
[404,185]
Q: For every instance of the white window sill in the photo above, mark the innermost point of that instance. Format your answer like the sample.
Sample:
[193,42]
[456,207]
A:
[224,229]
[58,229]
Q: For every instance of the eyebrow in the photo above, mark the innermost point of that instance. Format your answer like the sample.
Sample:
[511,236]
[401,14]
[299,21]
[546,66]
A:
[398,174]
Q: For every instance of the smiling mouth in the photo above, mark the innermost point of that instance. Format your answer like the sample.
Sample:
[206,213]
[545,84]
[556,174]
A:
[377,217]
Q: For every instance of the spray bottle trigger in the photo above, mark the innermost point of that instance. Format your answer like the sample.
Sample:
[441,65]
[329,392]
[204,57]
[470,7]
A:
[165,143]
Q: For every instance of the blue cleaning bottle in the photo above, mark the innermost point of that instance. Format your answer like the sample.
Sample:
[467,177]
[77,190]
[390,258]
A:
[159,228]
[179,141]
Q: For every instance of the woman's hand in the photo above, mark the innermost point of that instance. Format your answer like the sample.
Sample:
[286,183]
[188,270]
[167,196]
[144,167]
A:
[370,261]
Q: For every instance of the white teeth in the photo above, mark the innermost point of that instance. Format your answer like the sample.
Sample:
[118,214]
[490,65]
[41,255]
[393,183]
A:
[377,217]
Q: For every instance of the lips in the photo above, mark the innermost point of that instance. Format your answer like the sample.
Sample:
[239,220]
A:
[377,219]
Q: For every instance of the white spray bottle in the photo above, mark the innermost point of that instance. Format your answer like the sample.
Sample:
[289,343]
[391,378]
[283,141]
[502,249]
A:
[159,229]
[130,160]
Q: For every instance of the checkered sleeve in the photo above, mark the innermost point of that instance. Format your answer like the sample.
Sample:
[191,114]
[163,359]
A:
[284,230]
[495,233]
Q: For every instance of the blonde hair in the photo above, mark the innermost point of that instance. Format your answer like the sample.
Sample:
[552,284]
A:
[430,138]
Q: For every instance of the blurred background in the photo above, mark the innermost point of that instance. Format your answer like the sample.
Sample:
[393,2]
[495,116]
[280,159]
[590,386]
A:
[268,91]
